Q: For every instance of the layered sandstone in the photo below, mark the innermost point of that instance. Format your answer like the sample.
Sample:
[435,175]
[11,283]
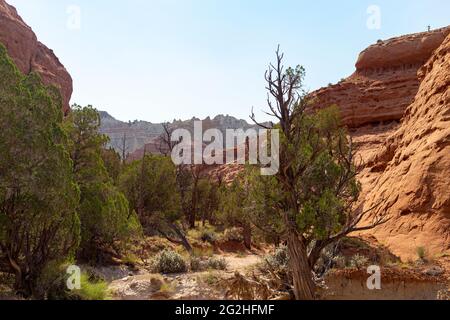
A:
[30,55]
[385,81]
[410,176]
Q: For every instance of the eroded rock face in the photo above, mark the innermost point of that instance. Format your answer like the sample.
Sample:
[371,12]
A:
[413,178]
[385,81]
[30,55]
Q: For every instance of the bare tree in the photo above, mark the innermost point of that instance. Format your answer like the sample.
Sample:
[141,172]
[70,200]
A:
[194,172]
[123,147]
[166,144]
[288,103]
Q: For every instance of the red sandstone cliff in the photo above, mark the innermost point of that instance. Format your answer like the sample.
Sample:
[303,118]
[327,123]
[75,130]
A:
[30,55]
[397,105]
[414,179]
[385,81]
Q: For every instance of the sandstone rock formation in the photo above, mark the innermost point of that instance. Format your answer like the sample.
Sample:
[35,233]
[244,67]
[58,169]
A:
[412,171]
[398,109]
[140,134]
[130,136]
[385,81]
[30,55]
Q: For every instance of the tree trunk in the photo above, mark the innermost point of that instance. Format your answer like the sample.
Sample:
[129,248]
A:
[192,214]
[182,238]
[192,220]
[304,287]
[247,233]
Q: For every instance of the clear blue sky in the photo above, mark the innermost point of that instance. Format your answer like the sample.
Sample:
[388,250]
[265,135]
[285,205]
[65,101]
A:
[157,60]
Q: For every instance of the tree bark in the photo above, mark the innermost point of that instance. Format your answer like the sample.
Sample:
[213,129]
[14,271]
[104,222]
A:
[192,220]
[304,287]
[247,234]
[183,240]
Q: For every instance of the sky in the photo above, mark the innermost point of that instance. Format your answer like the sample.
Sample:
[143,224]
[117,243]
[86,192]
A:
[159,60]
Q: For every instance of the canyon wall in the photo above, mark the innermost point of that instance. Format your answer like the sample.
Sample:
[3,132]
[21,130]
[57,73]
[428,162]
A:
[413,168]
[30,55]
[385,81]
[397,107]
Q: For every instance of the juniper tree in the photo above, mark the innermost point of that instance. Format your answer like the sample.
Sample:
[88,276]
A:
[315,191]
[104,211]
[150,186]
[39,224]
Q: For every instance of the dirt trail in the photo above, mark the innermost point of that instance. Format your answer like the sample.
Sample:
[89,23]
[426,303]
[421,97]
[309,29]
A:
[187,286]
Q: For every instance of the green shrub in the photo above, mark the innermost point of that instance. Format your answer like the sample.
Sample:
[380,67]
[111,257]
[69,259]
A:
[208,236]
[279,259]
[169,261]
[196,264]
[233,234]
[421,253]
[217,263]
[91,289]
[211,278]
[39,198]
[358,261]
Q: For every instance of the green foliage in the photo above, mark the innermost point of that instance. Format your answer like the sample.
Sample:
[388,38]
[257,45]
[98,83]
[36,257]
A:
[217,263]
[198,195]
[262,206]
[232,209]
[208,236]
[104,211]
[325,184]
[279,259]
[91,289]
[205,233]
[169,261]
[38,195]
[150,187]
[233,234]
[421,253]
[207,194]
[198,264]
[112,162]
[236,209]
[359,261]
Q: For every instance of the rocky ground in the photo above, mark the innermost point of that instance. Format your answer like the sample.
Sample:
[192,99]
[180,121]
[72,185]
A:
[421,279]
[204,285]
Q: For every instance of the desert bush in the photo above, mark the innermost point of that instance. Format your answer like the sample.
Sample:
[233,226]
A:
[329,259]
[233,234]
[217,263]
[211,278]
[169,261]
[421,253]
[196,264]
[208,236]
[202,263]
[358,261]
[279,259]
